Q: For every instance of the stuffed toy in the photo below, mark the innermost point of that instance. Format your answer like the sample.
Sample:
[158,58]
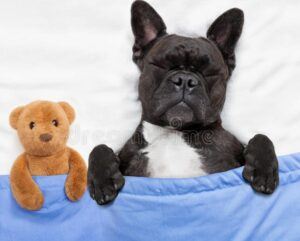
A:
[43,129]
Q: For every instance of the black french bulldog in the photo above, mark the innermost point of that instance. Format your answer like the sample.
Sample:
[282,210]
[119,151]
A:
[182,89]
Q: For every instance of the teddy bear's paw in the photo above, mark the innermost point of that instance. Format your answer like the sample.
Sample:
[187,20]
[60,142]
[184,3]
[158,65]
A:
[74,190]
[32,202]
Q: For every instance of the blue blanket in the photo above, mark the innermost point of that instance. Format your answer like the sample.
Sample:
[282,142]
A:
[218,207]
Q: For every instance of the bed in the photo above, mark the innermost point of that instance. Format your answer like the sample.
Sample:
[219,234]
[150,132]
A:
[80,52]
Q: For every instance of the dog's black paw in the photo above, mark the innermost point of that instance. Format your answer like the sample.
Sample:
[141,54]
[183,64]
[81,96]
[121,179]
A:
[104,177]
[261,165]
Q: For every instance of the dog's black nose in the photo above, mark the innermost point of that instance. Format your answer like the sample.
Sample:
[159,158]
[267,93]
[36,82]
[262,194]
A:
[185,80]
[45,137]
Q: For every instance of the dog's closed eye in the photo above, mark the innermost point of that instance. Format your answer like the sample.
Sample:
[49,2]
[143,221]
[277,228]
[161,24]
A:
[211,75]
[157,65]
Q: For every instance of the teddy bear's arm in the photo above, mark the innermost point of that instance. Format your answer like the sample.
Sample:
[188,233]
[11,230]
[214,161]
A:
[77,178]
[26,192]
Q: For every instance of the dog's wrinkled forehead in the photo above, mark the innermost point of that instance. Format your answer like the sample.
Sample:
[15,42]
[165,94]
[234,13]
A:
[174,50]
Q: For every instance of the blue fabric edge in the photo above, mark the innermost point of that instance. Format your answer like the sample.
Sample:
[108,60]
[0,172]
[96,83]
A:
[288,164]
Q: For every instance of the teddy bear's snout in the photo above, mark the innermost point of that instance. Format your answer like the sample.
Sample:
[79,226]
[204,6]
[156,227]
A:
[45,137]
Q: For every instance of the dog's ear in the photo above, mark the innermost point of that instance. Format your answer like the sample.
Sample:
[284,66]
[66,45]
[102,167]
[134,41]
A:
[146,25]
[225,32]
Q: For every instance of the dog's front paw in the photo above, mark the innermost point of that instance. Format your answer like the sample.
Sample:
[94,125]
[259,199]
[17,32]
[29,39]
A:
[104,177]
[261,165]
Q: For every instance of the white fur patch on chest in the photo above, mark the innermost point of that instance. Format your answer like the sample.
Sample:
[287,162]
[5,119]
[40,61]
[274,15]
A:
[169,156]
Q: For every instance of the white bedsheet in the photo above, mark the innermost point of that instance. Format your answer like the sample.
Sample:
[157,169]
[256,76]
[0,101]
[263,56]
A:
[80,51]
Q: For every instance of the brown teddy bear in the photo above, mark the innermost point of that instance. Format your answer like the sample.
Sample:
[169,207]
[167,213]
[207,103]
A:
[43,128]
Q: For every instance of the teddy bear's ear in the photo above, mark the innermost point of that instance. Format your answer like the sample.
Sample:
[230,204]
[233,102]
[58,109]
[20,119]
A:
[14,116]
[70,112]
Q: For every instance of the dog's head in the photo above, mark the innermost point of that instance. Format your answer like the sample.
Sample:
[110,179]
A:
[183,79]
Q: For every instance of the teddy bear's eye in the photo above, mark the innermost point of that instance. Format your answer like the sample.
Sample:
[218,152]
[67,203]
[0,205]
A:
[31,125]
[55,123]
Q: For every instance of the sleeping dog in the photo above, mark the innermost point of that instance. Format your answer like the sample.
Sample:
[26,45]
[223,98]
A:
[182,90]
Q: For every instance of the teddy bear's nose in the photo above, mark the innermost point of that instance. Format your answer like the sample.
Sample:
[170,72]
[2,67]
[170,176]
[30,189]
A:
[45,137]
